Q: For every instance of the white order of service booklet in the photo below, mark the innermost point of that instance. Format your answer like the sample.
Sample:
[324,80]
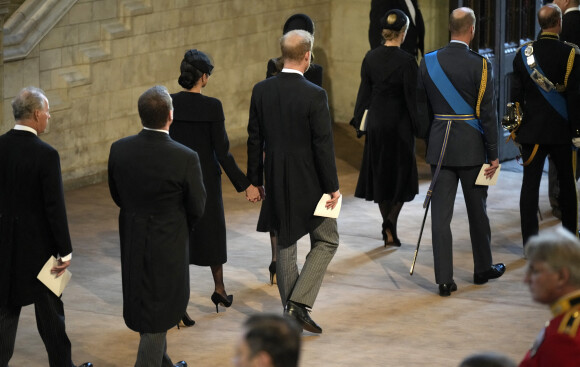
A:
[56,285]
[484,181]
[321,210]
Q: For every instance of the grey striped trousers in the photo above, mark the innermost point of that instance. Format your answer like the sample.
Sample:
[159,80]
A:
[303,287]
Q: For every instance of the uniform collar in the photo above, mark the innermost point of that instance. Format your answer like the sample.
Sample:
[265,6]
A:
[565,303]
[549,35]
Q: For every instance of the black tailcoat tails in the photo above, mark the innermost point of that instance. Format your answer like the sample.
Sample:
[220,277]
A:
[158,185]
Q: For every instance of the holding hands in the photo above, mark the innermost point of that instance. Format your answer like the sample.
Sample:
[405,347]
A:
[255,194]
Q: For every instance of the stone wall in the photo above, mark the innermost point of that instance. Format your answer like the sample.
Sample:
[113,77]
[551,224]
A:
[103,54]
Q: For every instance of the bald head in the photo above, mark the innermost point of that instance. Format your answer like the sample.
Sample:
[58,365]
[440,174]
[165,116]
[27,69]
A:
[295,44]
[461,22]
[550,18]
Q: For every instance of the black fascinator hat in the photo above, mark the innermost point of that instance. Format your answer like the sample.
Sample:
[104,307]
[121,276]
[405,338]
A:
[394,20]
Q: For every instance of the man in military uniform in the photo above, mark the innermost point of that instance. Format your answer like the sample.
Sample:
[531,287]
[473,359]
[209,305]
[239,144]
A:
[553,275]
[570,33]
[546,83]
[463,136]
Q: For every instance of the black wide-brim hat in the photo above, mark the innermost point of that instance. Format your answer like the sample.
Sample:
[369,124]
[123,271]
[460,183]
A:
[394,20]
[299,21]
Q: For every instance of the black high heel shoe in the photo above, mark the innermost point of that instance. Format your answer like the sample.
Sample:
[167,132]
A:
[388,226]
[217,298]
[186,320]
[272,269]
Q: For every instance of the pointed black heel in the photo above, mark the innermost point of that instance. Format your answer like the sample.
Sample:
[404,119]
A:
[217,298]
[187,321]
[272,269]
[388,226]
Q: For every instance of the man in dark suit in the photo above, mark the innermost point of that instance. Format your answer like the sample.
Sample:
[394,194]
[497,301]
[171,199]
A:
[570,33]
[463,136]
[158,185]
[546,83]
[290,120]
[33,227]
[415,39]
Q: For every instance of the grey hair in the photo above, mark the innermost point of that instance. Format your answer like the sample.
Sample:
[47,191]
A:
[27,101]
[559,249]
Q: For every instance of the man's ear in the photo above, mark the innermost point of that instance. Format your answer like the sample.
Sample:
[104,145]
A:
[262,359]
[563,276]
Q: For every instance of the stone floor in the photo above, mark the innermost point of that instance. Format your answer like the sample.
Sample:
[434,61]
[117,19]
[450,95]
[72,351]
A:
[372,311]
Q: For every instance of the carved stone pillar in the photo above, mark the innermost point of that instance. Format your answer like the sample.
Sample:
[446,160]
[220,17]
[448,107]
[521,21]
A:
[5,10]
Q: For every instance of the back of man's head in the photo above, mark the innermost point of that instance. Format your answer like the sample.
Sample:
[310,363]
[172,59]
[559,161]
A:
[27,101]
[295,44]
[275,335]
[460,21]
[559,249]
[154,106]
[487,359]
[549,16]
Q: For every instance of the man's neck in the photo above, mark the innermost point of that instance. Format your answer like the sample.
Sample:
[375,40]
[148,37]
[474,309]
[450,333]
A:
[295,66]
[462,38]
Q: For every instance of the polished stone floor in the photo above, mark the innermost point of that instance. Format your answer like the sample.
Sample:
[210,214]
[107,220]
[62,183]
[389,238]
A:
[372,311]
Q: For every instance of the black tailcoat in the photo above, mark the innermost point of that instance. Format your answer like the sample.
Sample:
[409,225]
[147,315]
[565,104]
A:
[158,185]
[290,120]
[33,222]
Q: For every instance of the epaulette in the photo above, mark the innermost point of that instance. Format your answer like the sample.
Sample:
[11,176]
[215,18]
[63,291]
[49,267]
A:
[570,322]
[524,44]
[574,46]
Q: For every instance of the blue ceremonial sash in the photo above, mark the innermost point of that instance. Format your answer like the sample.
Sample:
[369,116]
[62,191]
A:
[450,94]
[555,99]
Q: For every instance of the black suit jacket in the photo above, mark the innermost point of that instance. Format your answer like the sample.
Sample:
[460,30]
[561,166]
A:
[466,145]
[290,120]
[571,27]
[542,124]
[415,39]
[158,185]
[33,222]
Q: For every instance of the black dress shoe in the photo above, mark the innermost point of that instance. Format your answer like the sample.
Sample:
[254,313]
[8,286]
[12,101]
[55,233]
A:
[86,364]
[180,364]
[300,314]
[494,272]
[445,289]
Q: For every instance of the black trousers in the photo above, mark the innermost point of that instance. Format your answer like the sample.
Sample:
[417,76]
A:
[442,203]
[49,313]
[562,157]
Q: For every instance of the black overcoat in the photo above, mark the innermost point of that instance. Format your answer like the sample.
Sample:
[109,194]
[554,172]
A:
[33,222]
[198,123]
[388,91]
[158,185]
[290,121]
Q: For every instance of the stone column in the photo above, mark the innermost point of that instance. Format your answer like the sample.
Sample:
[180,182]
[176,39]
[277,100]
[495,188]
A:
[5,11]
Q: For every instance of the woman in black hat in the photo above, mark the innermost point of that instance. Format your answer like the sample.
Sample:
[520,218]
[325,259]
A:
[314,75]
[198,123]
[387,91]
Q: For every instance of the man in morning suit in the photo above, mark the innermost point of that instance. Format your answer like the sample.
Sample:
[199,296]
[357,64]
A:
[415,38]
[553,276]
[33,227]
[463,132]
[290,120]
[546,83]
[158,185]
[570,33]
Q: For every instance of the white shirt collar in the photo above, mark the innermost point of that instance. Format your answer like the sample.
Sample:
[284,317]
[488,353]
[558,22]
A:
[288,70]
[158,130]
[25,128]
[457,41]
[571,9]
